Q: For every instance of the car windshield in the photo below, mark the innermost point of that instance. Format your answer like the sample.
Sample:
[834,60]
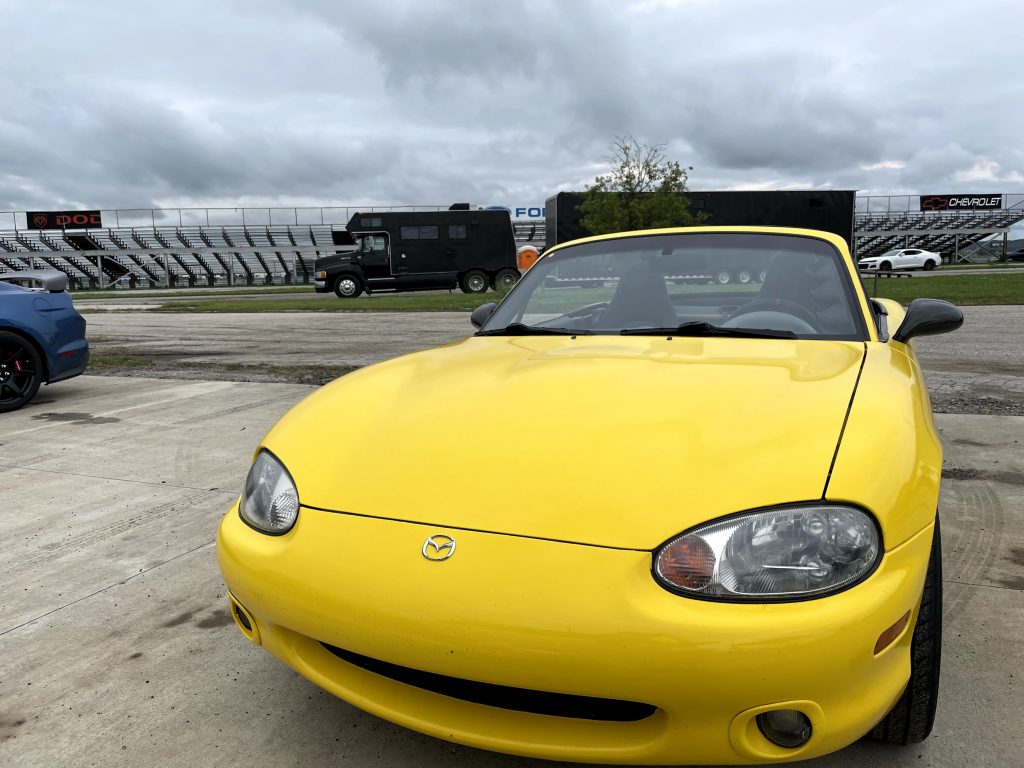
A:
[722,284]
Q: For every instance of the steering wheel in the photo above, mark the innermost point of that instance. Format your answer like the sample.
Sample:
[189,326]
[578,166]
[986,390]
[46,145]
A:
[784,306]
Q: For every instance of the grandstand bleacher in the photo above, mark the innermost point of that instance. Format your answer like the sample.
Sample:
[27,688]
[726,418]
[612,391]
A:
[882,223]
[254,247]
[157,255]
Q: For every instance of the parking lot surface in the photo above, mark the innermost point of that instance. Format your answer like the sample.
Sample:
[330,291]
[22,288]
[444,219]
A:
[117,649]
[978,369]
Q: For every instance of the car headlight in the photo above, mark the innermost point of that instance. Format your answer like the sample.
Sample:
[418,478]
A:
[269,502]
[784,553]
[321,275]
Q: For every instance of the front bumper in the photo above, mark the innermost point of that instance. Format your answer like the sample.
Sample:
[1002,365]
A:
[867,267]
[581,620]
[320,286]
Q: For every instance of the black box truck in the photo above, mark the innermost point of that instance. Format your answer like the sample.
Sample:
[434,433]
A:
[423,250]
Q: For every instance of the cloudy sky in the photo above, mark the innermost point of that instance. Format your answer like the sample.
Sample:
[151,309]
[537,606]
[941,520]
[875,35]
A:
[128,104]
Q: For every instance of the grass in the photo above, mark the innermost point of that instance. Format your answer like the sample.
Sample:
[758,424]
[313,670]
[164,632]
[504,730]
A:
[986,265]
[454,302]
[959,289]
[150,293]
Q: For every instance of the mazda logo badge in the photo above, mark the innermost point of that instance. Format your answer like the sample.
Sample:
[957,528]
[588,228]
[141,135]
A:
[438,547]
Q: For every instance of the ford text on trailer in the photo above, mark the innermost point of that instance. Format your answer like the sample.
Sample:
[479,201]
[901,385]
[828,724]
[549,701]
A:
[417,251]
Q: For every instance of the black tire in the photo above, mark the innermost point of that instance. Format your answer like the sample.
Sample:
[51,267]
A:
[744,276]
[21,371]
[911,720]
[348,286]
[885,266]
[504,279]
[723,277]
[929,265]
[762,275]
[474,281]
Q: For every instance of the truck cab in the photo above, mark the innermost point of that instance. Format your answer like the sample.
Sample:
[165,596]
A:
[423,250]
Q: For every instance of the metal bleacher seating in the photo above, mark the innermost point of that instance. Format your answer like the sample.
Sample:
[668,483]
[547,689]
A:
[954,234]
[169,255]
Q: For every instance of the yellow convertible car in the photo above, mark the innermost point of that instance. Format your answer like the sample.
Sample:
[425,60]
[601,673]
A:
[638,517]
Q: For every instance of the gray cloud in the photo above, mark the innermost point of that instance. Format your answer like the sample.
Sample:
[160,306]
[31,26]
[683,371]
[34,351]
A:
[407,102]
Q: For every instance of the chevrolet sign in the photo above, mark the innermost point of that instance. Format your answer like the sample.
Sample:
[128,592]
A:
[952,202]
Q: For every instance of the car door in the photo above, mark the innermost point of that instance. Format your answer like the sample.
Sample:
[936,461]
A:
[374,256]
[910,258]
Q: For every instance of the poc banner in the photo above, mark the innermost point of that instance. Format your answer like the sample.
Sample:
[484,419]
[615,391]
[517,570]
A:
[63,219]
[954,202]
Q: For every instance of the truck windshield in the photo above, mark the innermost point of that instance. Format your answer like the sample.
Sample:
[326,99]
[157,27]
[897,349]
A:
[788,286]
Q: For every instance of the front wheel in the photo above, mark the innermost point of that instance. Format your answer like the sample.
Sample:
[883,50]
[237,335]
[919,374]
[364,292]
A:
[722,277]
[504,280]
[744,276]
[474,281]
[20,371]
[348,287]
[885,266]
[910,721]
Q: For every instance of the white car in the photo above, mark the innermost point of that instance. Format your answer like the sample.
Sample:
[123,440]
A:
[901,258]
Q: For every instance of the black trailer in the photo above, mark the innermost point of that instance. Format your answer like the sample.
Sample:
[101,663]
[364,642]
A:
[423,250]
[825,210]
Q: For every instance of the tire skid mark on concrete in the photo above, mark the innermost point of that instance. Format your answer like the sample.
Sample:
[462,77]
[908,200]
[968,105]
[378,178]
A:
[181,391]
[74,543]
[134,481]
[968,560]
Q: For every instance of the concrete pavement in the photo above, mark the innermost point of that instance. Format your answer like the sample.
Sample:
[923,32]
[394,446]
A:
[116,648]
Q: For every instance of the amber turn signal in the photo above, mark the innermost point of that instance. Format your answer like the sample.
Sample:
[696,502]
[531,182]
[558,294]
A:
[886,638]
[687,562]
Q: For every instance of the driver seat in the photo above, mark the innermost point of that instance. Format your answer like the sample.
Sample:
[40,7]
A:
[640,300]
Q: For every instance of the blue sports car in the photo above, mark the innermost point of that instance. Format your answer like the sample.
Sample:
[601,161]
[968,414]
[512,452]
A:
[42,337]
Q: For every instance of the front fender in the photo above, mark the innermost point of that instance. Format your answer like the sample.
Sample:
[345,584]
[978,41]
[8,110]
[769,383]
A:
[890,458]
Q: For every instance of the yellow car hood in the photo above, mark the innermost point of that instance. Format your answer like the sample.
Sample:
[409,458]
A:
[610,441]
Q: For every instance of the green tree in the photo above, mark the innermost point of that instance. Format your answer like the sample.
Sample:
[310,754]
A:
[643,190]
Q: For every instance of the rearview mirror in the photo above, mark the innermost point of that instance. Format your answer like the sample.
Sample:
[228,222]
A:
[927,317]
[482,313]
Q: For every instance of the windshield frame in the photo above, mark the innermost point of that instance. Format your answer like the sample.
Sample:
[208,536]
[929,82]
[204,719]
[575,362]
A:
[851,288]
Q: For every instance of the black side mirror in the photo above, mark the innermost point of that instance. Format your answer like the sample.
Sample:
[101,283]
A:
[927,317]
[482,313]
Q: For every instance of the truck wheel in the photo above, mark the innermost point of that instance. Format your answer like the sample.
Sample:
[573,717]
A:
[504,280]
[744,276]
[762,275]
[348,287]
[722,277]
[20,371]
[910,721]
[474,281]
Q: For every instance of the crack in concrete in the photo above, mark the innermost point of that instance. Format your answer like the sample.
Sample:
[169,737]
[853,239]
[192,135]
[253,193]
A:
[158,484]
[100,591]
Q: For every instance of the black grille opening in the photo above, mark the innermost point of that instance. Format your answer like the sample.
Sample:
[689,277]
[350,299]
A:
[503,696]
[243,618]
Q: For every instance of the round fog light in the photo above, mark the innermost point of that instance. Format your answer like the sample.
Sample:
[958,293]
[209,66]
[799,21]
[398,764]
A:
[785,727]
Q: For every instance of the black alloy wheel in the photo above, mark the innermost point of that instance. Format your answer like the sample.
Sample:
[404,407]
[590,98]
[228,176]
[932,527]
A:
[885,266]
[20,371]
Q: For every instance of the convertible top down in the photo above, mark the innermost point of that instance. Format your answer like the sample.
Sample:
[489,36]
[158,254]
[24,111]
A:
[720,544]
